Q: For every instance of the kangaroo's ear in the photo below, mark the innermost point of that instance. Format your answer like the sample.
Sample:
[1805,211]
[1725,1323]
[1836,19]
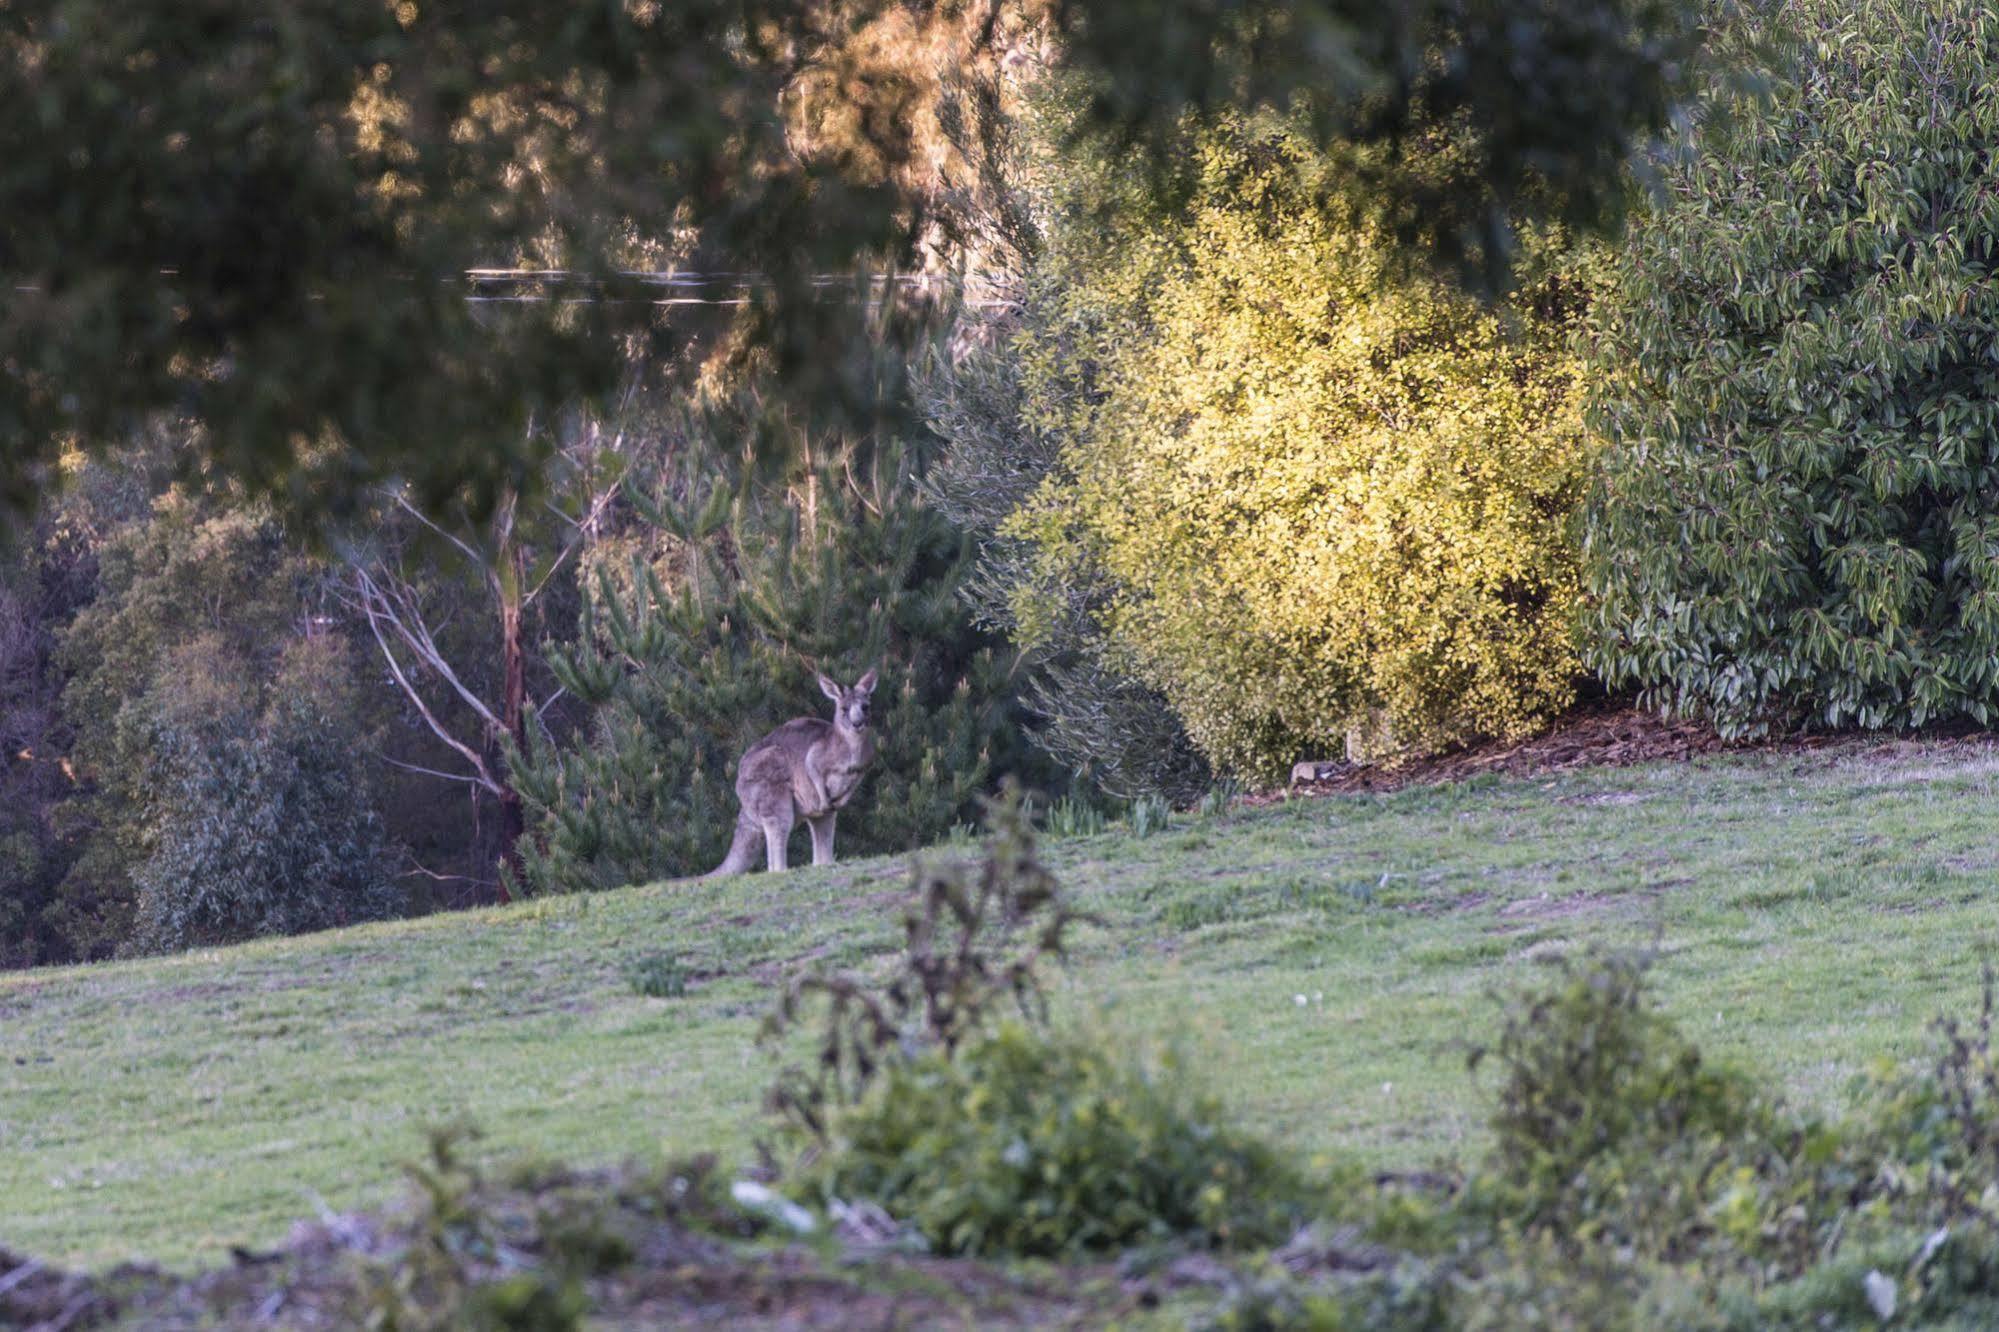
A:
[866,684]
[829,689]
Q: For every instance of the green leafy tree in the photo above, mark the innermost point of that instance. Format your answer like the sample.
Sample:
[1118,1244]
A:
[186,676]
[1796,519]
[34,852]
[706,627]
[1108,729]
[261,218]
[257,820]
[1301,493]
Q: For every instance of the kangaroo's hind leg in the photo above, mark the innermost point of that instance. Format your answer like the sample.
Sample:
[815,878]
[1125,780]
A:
[776,834]
[822,838]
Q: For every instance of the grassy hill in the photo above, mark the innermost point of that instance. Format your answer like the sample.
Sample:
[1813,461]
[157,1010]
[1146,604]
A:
[1333,958]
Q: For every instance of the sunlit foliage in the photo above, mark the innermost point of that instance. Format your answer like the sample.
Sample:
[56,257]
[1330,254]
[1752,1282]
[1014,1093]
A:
[1329,496]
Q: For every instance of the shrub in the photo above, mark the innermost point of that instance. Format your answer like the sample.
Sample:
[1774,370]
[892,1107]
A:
[1937,1124]
[530,1253]
[1794,520]
[989,1136]
[1325,494]
[257,822]
[1605,1113]
[1054,1145]
[975,938]
[1112,731]
[1612,1132]
[222,791]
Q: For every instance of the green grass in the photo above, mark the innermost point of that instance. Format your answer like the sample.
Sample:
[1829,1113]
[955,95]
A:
[1334,958]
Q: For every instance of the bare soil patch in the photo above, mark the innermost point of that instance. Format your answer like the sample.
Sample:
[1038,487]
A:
[675,1268]
[1604,736]
[1615,735]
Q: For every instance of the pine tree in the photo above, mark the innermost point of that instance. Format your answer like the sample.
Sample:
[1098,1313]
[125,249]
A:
[711,633]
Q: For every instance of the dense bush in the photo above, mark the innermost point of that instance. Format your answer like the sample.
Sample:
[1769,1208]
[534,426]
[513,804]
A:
[1632,1184]
[1027,1143]
[1110,730]
[1798,516]
[259,820]
[1322,495]
[994,1134]
[216,717]
[1609,1126]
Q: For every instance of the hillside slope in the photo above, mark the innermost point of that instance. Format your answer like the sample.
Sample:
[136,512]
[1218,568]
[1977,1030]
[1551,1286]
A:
[1333,959]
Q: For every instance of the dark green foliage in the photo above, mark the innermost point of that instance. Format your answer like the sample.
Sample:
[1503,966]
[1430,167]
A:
[1941,1121]
[1795,521]
[1633,1185]
[256,821]
[256,219]
[740,590]
[975,939]
[1111,731]
[1028,1143]
[215,719]
[1606,1114]
[1549,99]
[992,1135]
[38,588]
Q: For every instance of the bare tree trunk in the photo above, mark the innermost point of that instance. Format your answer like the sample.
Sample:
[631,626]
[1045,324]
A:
[513,709]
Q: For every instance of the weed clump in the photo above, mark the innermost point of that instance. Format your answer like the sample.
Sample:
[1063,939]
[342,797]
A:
[1609,1124]
[520,1254]
[1051,1145]
[1150,814]
[1073,816]
[656,975]
[1634,1184]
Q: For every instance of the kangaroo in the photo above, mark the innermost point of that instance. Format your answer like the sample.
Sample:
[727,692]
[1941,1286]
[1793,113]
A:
[806,768]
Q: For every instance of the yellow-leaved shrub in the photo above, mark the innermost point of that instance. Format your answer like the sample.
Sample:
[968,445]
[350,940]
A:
[1332,497]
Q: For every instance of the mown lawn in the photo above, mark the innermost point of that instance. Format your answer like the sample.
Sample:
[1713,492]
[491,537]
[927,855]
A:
[1332,958]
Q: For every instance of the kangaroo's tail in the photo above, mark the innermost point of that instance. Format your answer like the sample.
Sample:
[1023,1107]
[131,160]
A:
[742,850]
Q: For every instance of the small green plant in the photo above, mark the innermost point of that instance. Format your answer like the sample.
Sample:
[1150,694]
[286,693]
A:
[451,1274]
[975,937]
[984,1131]
[1150,814]
[1218,799]
[1055,1145]
[656,975]
[1942,1121]
[1198,909]
[1072,816]
[1610,1126]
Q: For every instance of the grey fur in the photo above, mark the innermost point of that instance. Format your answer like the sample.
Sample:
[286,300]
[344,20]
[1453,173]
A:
[805,769]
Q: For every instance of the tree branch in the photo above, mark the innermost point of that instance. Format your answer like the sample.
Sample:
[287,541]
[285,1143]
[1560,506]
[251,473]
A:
[374,605]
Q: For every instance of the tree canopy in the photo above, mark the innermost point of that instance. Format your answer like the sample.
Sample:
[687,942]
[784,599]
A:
[1795,519]
[261,218]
